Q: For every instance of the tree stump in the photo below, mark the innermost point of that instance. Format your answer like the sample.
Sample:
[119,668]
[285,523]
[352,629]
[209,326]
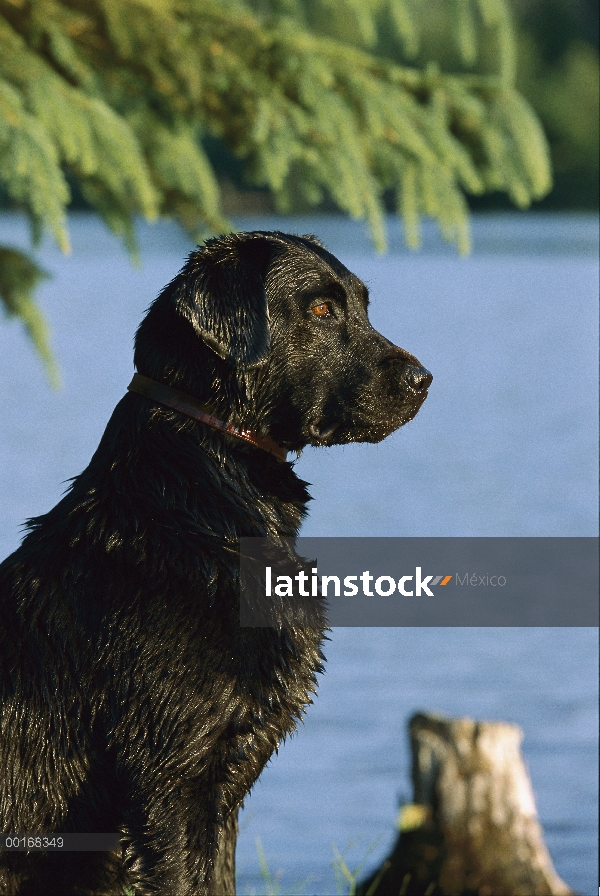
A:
[472,829]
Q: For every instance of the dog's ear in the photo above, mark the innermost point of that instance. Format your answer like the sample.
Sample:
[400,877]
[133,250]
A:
[225,298]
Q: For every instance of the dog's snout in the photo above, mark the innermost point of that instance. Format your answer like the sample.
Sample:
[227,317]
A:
[418,378]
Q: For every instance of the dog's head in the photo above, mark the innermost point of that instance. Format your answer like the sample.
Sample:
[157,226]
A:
[272,331]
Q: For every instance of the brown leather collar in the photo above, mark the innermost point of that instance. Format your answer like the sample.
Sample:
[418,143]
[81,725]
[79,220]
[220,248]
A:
[179,401]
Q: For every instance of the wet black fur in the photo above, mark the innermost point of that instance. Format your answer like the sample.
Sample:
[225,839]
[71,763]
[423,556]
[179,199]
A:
[131,698]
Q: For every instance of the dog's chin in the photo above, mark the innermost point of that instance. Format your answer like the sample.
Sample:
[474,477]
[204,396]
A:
[322,432]
[362,427]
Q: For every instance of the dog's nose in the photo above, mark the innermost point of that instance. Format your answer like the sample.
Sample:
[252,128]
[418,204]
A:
[418,378]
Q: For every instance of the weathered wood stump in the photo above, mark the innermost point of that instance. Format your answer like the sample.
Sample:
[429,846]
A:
[472,829]
[223,882]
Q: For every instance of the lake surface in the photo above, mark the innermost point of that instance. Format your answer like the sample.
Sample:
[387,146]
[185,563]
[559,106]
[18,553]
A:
[505,445]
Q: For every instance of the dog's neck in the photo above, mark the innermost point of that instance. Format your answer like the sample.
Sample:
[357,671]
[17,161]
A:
[186,404]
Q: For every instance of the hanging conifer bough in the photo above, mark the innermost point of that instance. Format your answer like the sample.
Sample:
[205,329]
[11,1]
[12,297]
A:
[120,93]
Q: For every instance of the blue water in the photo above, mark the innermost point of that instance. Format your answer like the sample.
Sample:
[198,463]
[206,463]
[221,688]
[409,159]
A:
[506,444]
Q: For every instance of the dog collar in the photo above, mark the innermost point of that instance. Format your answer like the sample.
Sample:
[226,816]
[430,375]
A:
[179,401]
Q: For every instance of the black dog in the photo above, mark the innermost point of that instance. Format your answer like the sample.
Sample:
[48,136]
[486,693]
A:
[132,700]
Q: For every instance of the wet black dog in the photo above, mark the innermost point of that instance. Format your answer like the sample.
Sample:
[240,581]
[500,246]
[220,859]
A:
[132,700]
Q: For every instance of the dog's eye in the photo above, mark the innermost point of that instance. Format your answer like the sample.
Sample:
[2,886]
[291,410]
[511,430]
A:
[322,309]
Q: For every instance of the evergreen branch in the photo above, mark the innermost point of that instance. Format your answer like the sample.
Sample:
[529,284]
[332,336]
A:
[118,93]
[19,276]
[182,173]
[29,165]
[68,126]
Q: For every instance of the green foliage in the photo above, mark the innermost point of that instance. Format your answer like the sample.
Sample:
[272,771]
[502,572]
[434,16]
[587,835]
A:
[19,275]
[558,73]
[346,881]
[320,98]
[566,97]
[272,885]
